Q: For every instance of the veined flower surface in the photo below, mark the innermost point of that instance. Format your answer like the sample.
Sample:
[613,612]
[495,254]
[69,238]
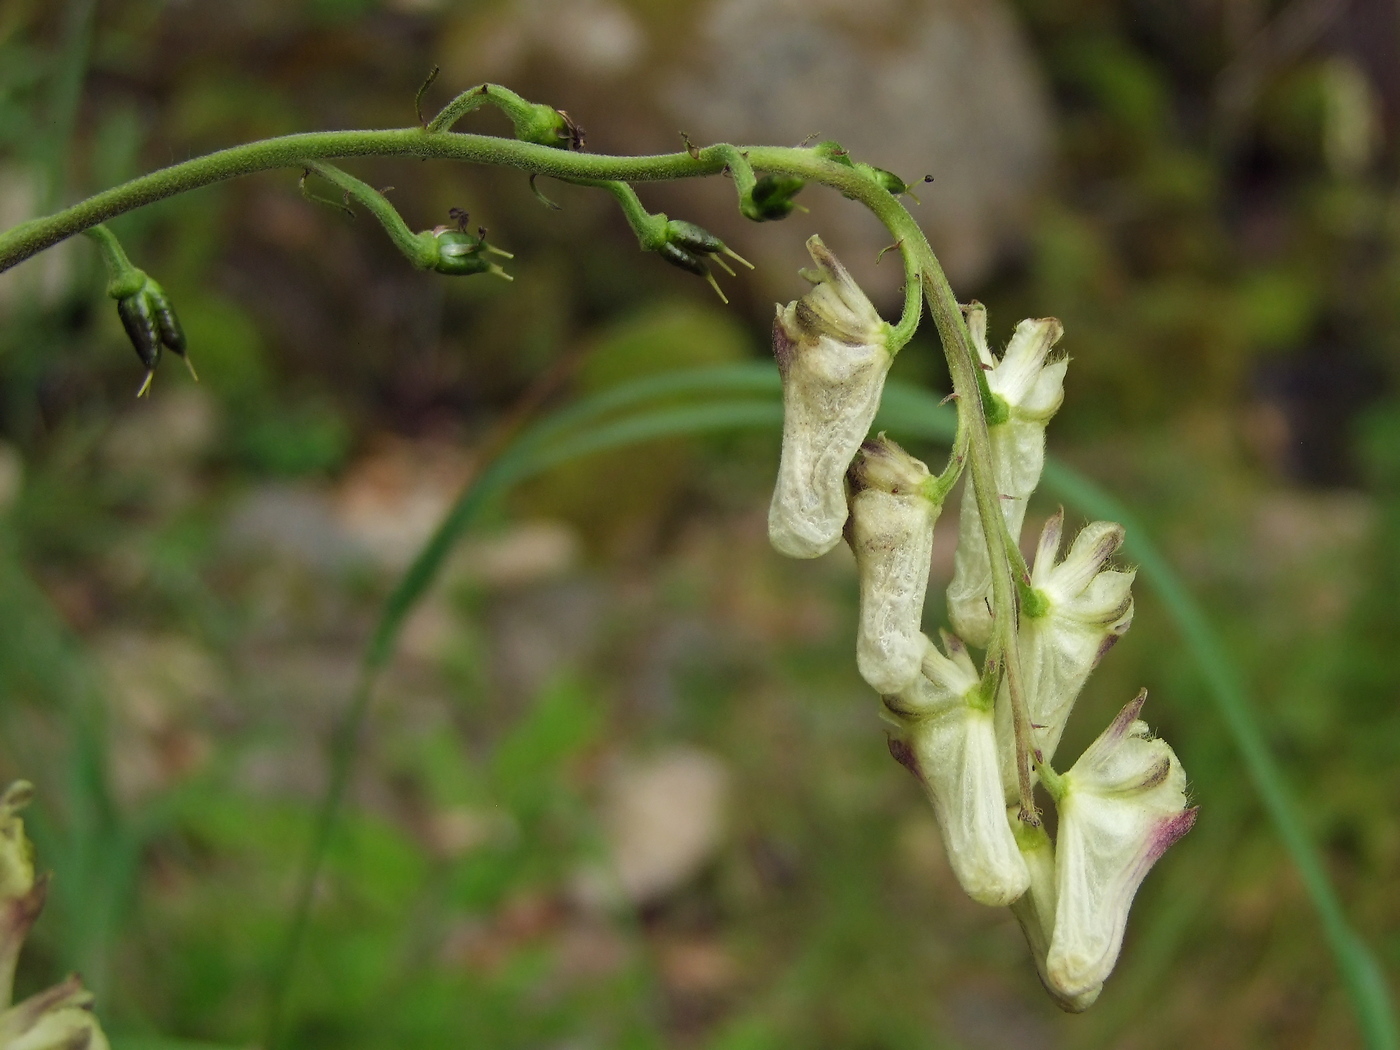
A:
[891,533]
[1035,909]
[1028,388]
[948,741]
[58,1018]
[21,894]
[833,354]
[1076,611]
[1122,805]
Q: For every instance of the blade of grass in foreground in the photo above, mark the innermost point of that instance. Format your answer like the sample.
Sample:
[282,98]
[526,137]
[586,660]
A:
[594,425]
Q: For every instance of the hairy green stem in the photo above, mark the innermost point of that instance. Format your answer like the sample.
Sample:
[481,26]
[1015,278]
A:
[418,250]
[924,275]
[1002,653]
[123,278]
[920,264]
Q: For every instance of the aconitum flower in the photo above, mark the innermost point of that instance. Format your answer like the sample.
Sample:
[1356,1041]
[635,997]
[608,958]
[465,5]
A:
[58,1018]
[1121,805]
[1073,613]
[1035,909]
[833,353]
[893,510]
[21,894]
[947,740]
[1026,389]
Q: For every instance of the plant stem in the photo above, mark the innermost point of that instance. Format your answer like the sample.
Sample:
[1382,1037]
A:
[419,252]
[923,274]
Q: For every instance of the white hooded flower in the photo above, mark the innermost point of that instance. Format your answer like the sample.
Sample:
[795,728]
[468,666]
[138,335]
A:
[58,1018]
[1027,390]
[948,742]
[891,534]
[1075,611]
[21,894]
[1035,909]
[1121,805]
[832,352]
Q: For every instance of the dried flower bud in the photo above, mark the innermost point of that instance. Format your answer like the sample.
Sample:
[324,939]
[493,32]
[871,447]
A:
[1026,391]
[21,894]
[1073,613]
[58,1018]
[891,534]
[1121,805]
[832,352]
[949,744]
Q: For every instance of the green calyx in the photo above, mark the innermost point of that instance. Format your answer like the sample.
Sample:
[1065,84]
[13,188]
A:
[994,405]
[1055,783]
[886,180]
[771,198]
[834,151]
[1034,603]
[981,697]
[1030,837]
[457,253]
[546,126]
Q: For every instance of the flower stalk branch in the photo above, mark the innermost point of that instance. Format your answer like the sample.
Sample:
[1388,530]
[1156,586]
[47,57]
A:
[977,741]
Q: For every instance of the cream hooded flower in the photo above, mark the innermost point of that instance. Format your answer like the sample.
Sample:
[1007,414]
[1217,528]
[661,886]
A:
[891,533]
[832,352]
[1075,611]
[1035,909]
[947,741]
[58,1018]
[21,894]
[1028,389]
[1121,806]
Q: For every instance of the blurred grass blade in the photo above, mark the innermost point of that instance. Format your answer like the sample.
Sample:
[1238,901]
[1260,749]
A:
[628,414]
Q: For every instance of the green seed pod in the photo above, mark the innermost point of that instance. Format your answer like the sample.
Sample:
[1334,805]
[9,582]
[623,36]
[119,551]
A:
[772,198]
[167,322]
[460,254]
[139,318]
[686,260]
[833,150]
[887,179]
[693,238]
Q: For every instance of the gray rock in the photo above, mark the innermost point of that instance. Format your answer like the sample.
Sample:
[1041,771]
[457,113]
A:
[941,87]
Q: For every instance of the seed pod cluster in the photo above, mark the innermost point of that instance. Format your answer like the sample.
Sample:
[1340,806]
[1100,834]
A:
[151,324]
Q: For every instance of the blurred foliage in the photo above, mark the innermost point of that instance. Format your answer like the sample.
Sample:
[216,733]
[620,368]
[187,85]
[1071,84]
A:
[185,583]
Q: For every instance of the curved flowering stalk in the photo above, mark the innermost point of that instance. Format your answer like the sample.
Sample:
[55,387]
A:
[833,350]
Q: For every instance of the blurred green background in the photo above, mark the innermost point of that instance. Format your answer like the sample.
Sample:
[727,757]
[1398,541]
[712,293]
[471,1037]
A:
[622,786]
